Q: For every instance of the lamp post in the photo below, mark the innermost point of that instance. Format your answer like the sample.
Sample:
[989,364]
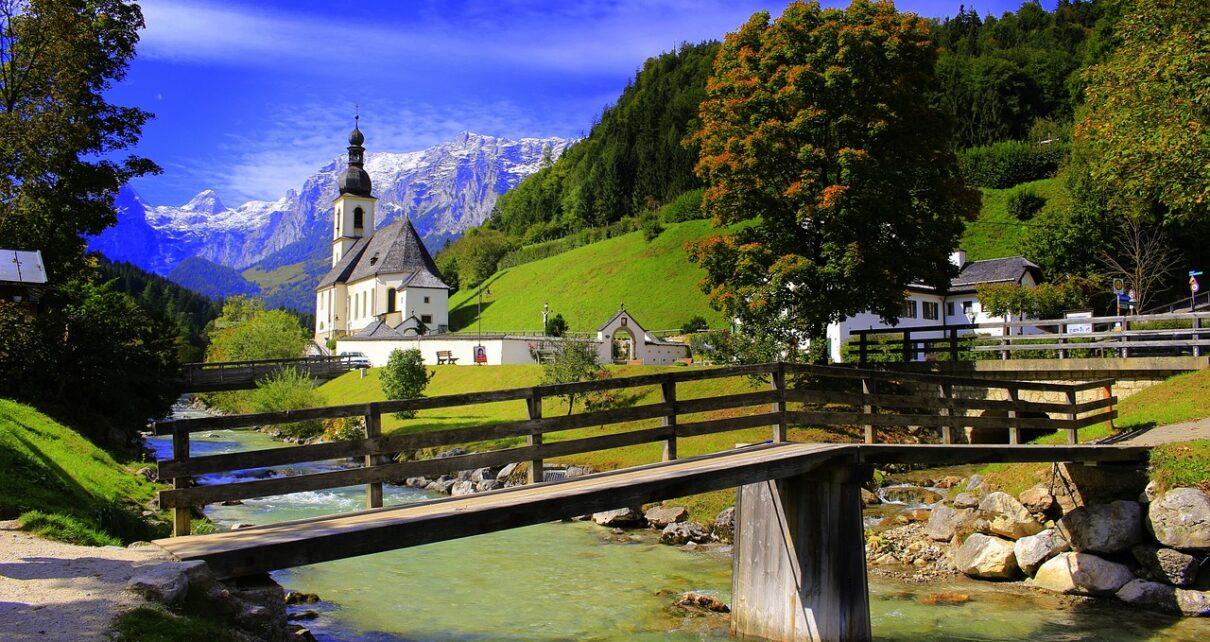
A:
[479,314]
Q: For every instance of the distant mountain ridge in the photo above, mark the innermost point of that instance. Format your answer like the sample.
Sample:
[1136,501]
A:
[445,190]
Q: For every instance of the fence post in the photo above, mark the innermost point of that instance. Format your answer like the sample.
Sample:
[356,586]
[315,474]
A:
[907,346]
[1073,433]
[373,431]
[1062,340]
[868,386]
[1014,421]
[779,406]
[946,391]
[669,388]
[953,344]
[861,349]
[1197,325]
[1004,342]
[534,405]
[180,452]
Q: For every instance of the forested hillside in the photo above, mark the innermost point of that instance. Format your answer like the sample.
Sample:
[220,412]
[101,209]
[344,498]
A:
[184,308]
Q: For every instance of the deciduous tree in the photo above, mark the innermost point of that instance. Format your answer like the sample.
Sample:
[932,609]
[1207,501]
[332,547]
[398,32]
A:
[818,124]
[405,377]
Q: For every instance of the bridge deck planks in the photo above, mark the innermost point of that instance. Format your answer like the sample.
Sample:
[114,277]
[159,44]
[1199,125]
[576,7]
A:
[287,544]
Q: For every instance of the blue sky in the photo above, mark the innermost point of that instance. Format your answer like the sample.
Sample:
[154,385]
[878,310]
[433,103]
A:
[251,97]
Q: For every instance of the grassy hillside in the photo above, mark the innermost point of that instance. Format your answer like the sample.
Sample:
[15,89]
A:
[996,233]
[654,279]
[64,487]
[351,388]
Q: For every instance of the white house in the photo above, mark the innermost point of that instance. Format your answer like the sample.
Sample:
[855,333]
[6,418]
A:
[958,305]
[384,293]
[378,276]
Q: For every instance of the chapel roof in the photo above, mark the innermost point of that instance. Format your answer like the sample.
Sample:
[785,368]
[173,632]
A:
[392,249]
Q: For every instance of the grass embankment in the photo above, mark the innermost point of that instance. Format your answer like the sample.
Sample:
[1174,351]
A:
[63,487]
[350,388]
[158,624]
[654,279]
[1185,397]
[996,233]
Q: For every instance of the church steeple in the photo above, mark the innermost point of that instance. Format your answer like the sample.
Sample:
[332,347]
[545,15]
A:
[355,180]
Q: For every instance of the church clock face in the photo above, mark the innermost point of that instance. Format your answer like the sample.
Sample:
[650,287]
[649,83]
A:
[354,157]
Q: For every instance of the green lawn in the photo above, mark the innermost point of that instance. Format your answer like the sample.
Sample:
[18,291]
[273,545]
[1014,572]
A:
[62,485]
[996,233]
[351,388]
[654,279]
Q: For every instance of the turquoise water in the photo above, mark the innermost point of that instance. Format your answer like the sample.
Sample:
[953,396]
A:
[578,581]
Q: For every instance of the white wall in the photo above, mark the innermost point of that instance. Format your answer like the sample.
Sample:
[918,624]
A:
[412,302]
[507,350]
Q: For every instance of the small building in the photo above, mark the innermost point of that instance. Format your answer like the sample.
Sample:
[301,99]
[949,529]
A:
[22,277]
[957,305]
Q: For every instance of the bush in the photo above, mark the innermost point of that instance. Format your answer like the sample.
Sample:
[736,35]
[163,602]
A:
[686,207]
[405,377]
[343,429]
[651,227]
[288,389]
[556,326]
[1004,164]
[1024,203]
[695,323]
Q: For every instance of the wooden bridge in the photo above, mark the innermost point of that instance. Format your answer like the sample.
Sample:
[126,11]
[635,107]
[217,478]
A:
[216,376]
[799,564]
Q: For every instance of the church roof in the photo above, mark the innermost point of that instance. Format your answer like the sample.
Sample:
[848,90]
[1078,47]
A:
[392,249]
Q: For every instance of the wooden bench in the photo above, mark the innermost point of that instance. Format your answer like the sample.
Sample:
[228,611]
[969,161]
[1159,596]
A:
[446,356]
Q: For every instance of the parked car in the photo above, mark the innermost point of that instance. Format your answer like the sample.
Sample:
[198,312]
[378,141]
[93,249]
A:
[357,359]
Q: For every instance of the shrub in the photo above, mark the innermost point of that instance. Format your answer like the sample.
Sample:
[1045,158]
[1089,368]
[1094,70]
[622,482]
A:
[1024,203]
[288,389]
[343,429]
[696,323]
[405,377]
[686,207]
[556,326]
[652,227]
[570,361]
[1007,163]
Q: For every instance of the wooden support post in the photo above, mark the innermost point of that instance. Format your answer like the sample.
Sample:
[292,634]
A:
[669,388]
[907,346]
[374,431]
[1014,421]
[861,348]
[798,572]
[180,452]
[1107,394]
[946,391]
[534,406]
[953,344]
[1073,434]
[868,386]
[1197,325]
[1005,344]
[779,406]
[1062,340]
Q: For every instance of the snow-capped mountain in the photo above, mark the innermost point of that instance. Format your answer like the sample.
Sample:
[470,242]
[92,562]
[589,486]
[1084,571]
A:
[444,189]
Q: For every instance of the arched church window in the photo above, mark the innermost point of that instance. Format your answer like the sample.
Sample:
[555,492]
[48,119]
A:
[358,217]
[390,299]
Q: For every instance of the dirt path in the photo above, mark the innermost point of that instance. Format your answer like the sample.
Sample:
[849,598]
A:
[56,591]
[1184,431]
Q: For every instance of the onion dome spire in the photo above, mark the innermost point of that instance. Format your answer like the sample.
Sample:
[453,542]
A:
[355,180]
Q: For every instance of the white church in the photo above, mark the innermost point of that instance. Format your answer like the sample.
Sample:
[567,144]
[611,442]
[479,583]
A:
[384,293]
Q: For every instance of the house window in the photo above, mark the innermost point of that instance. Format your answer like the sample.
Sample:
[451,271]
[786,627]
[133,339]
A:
[426,319]
[968,308]
[931,308]
[949,308]
[358,217]
[909,309]
[426,299]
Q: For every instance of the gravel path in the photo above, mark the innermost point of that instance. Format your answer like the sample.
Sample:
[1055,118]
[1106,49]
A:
[1184,431]
[55,591]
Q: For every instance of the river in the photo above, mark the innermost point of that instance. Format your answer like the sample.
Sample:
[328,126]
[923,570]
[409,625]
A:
[578,581]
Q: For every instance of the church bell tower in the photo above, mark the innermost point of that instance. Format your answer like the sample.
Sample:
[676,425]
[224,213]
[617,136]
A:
[353,215]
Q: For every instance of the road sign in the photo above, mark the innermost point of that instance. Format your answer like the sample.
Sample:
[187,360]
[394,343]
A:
[1193,285]
[1195,272]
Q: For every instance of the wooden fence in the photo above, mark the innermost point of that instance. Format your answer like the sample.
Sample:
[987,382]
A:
[1122,336]
[821,396]
[236,375]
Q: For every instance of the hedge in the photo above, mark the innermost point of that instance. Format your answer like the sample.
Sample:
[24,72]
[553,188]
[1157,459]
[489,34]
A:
[1004,164]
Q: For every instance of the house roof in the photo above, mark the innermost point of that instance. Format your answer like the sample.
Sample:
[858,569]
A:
[1006,270]
[378,330]
[18,266]
[393,249]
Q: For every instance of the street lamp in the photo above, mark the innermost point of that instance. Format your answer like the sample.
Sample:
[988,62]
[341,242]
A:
[479,314]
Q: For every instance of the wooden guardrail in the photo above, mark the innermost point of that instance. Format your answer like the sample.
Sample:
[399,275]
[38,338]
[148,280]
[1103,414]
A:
[822,395]
[1110,335]
[232,375]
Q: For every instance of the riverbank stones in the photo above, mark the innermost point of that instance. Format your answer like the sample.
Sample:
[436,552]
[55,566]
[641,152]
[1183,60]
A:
[1007,517]
[1165,565]
[724,525]
[1103,528]
[1180,518]
[986,557]
[661,516]
[619,517]
[683,533]
[910,495]
[1032,551]
[1149,595]
[1081,573]
[944,521]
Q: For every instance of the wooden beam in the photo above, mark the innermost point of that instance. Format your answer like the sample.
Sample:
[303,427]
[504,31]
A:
[533,406]
[373,419]
[669,421]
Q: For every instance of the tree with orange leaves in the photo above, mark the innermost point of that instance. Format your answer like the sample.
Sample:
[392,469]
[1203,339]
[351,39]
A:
[818,127]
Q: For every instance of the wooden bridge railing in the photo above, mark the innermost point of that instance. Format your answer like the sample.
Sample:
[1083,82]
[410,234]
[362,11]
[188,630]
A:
[820,395]
[1111,335]
[227,375]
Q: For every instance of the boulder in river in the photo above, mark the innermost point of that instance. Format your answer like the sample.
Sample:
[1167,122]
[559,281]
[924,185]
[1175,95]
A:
[488,484]
[1006,516]
[1165,564]
[483,474]
[1033,550]
[619,517]
[441,485]
[462,487]
[724,525]
[1193,603]
[684,532]
[966,500]
[986,557]
[1180,518]
[1103,528]
[703,601]
[869,498]
[1082,573]
[661,516]
[909,495]
[1149,595]
[944,521]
